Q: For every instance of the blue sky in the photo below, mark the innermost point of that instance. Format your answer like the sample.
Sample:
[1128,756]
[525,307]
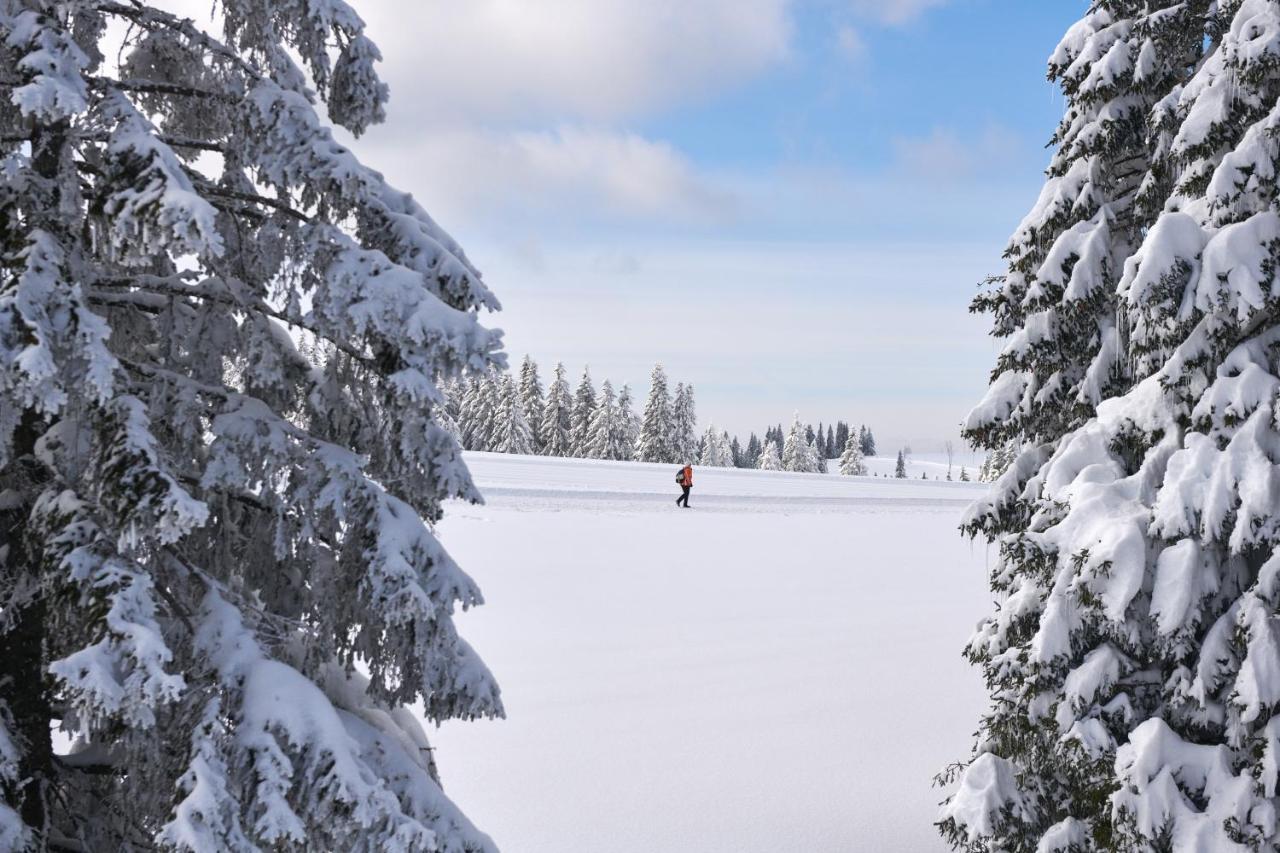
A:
[787,203]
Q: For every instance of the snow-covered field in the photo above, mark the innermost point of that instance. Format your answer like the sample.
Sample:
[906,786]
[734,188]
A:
[777,668]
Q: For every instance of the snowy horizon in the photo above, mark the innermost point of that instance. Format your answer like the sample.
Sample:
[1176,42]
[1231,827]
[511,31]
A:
[785,220]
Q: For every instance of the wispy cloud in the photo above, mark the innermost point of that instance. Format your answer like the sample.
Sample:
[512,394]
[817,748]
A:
[895,12]
[850,44]
[575,60]
[589,173]
[947,155]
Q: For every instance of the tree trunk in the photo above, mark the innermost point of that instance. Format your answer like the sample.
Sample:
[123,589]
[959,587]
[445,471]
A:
[24,688]
[24,683]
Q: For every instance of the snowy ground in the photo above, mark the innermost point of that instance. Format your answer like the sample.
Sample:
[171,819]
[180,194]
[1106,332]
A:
[775,669]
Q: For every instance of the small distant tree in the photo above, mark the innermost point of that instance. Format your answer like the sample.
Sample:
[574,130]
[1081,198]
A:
[797,453]
[852,462]
[556,416]
[628,421]
[900,469]
[868,441]
[684,424]
[656,430]
[817,457]
[769,458]
[511,433]
[964,474]
[532,400]
[715,449]
[608,436]
[580,418]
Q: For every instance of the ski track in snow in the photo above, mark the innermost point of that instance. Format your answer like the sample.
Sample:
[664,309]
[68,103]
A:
[777,669]
[533,483]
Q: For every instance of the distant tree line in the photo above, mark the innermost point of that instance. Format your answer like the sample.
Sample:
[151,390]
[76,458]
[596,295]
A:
[508,413]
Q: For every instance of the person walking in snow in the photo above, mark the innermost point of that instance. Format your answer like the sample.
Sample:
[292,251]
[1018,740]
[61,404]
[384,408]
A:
[685,479]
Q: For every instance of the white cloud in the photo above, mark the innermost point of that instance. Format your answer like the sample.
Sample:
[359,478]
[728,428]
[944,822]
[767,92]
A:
[594,60]
[895,12]
[850,43]
[471,174]
[947,155]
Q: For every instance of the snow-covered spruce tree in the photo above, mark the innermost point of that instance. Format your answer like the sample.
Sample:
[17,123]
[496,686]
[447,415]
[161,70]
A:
[818,457]
[554,438]
[656,442]
[609,434]
[532,400]
[852,462]
[751,455]
[867,440]
[684,425]
[716,452]
[798,453]
[769,459]
[469,401]
[900,467]
[628,422]
[1134,662]
[582,416]
[511,433]
[481,412]
[217,566]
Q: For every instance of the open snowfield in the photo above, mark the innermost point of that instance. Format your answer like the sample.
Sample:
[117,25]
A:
[776,669]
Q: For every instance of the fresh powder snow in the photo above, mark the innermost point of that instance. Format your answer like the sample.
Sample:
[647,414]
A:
[775,668]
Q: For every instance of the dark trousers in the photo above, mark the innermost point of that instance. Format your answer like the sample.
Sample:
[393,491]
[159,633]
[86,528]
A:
[684,497]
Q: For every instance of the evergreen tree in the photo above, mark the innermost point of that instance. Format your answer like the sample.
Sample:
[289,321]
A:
[831,449]
[715,449]
[964,474]
[581,417]
[609,434]
[1133,663]
[447,413]
[222,340]
[467,413]
[751,455]
[736,452]
[841,437]
[488,411]
[556,421]
[851,460]
[532,401]
[770,459]
[684,425]
[628,422]
[798,453]
[868,442]
[819,459]
[656,442]
[511,432]
[900,469]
